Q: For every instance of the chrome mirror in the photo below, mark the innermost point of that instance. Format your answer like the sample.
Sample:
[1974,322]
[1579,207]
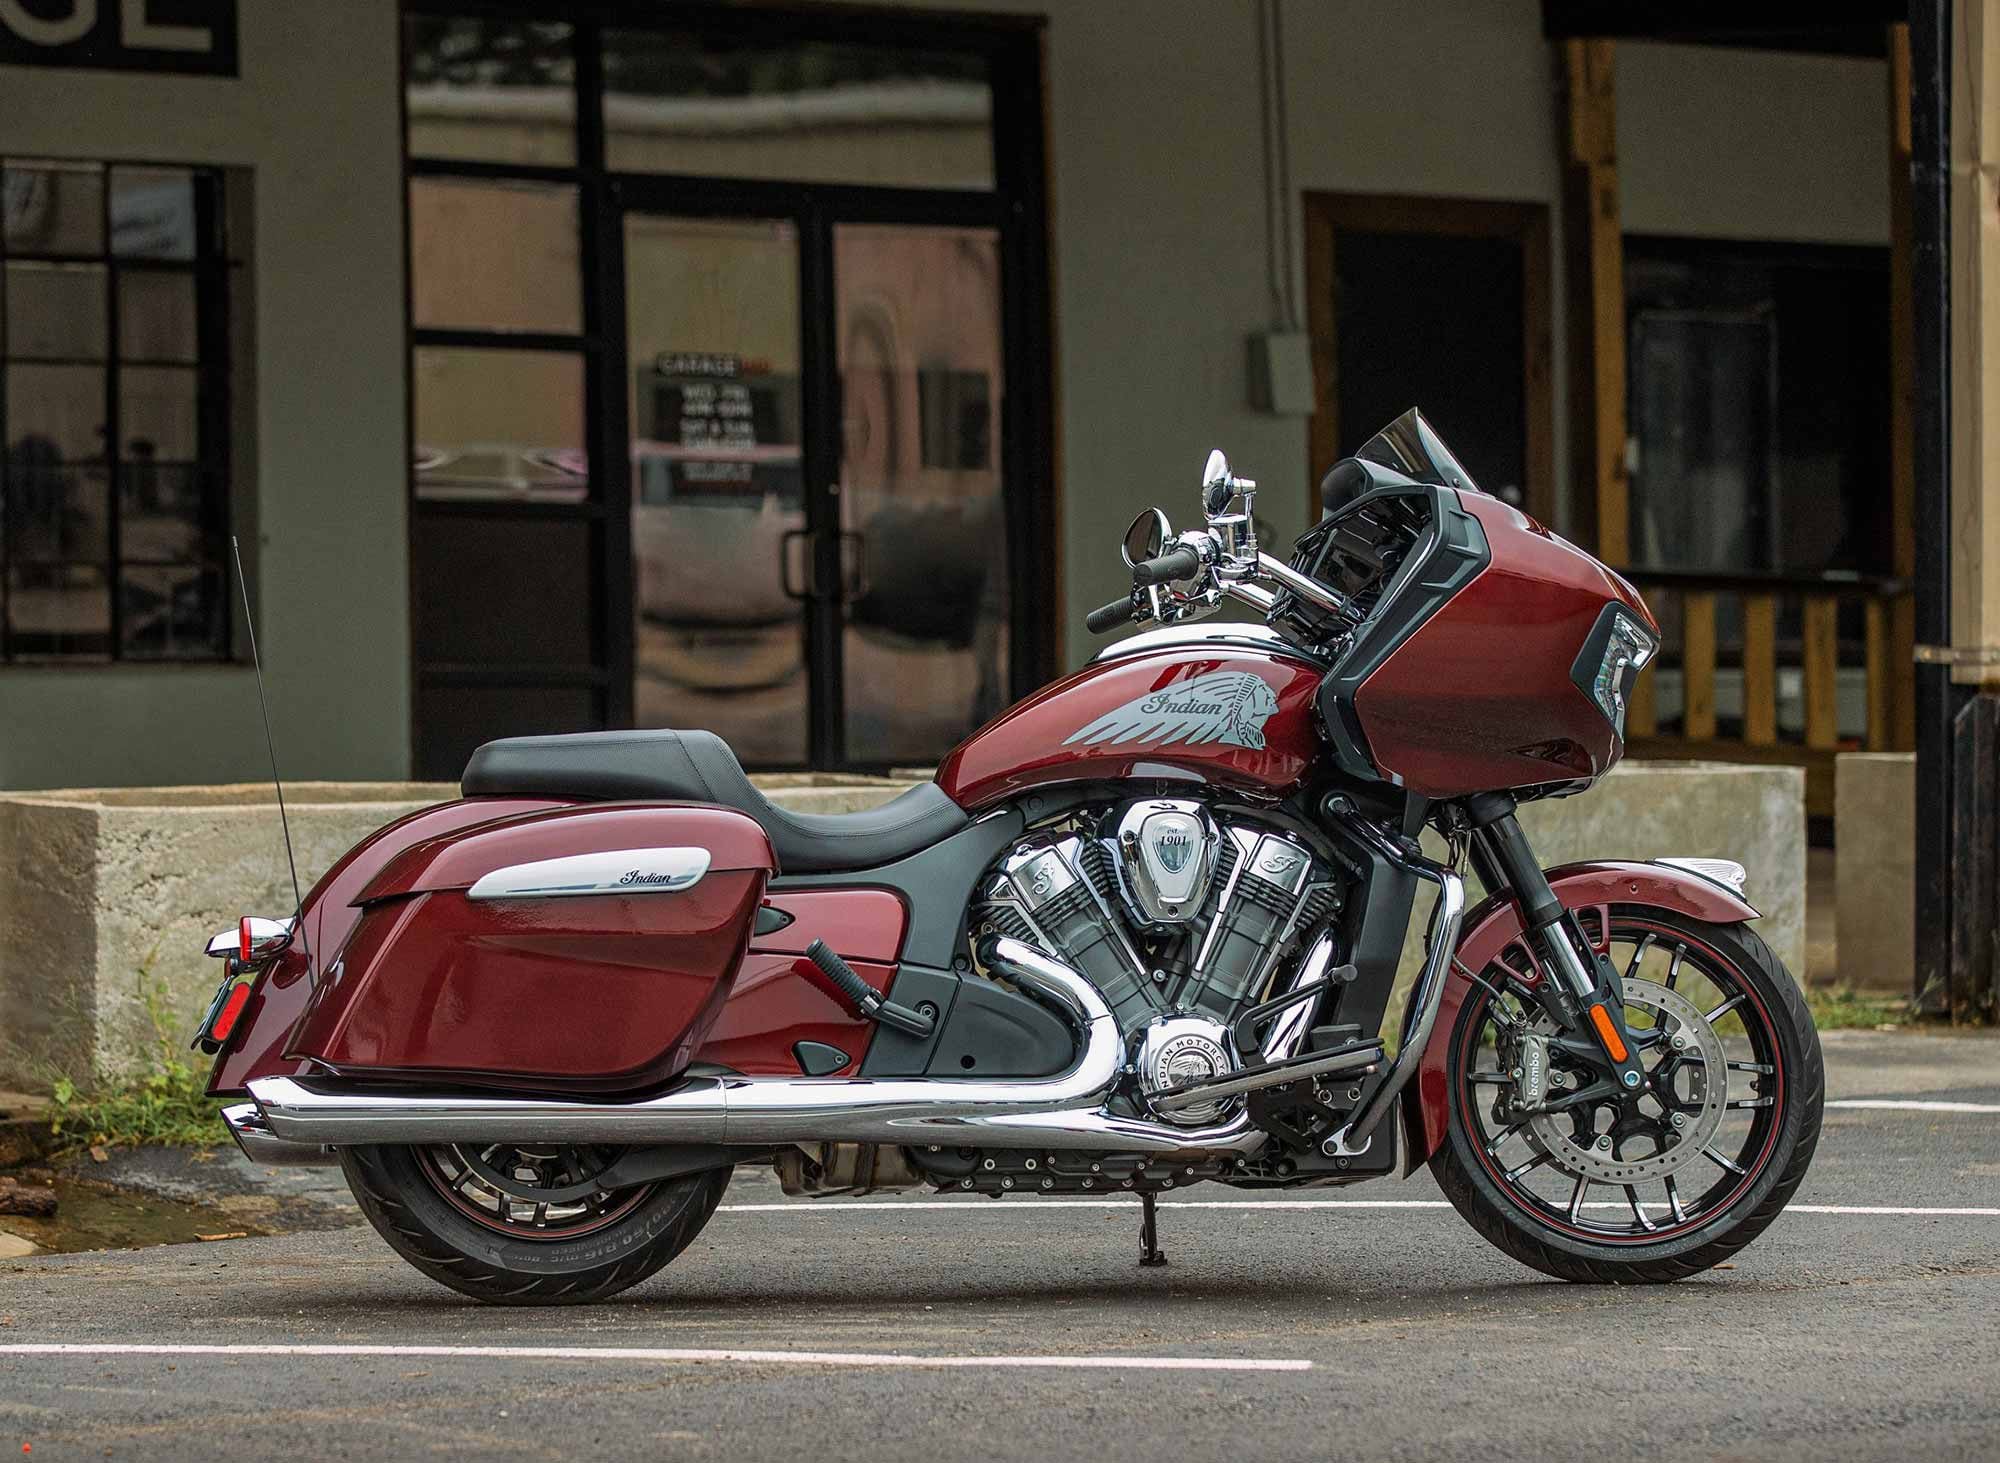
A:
[1147,537]
[1217,485]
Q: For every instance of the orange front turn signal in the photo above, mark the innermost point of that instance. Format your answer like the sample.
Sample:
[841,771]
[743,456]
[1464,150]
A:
[1608,1030]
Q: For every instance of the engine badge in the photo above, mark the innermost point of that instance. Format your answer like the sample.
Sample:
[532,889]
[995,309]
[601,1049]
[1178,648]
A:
[1185,1049]
[1166,849]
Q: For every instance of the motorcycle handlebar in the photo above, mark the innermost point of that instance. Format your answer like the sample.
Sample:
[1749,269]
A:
[1109,617]
[1174,564]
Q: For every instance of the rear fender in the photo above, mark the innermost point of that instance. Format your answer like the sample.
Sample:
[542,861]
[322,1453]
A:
[1494,925]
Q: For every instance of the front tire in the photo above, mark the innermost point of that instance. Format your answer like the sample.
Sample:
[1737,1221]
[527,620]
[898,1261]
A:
[1527,1185]
[441,1210]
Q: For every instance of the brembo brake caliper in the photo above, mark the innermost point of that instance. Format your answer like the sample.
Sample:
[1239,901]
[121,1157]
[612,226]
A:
[1585,994]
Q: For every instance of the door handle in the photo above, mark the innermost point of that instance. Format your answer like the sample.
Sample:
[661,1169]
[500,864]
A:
[853,567]
[801,539]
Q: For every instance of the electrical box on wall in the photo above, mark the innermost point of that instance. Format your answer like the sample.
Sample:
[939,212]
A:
[1281,372]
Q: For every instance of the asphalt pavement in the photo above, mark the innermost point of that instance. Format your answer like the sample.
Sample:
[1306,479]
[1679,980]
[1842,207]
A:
[1368,1322]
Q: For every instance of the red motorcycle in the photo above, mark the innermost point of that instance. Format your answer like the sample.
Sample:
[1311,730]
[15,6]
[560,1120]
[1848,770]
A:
[1142,931]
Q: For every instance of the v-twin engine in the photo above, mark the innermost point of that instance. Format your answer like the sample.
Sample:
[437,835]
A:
[1182,917]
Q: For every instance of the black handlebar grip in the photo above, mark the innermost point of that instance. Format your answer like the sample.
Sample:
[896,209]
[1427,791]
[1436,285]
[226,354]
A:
[1109,617]
[1174,564]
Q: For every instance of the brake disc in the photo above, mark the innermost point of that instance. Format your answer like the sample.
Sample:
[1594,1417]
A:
[1699,1085]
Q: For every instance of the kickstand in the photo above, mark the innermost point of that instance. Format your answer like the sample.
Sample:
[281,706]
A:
[1149,1233]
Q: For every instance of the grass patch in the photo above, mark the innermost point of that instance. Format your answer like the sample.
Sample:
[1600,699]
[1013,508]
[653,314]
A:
[165,1103]
[1837,1008]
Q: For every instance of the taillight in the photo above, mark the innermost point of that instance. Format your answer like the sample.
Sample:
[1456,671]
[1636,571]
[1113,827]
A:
[243,939]
[232,1008]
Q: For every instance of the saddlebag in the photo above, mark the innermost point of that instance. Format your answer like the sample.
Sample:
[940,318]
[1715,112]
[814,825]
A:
[582,949]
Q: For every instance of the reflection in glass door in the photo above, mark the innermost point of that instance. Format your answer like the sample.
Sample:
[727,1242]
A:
[923,528]
[712,321]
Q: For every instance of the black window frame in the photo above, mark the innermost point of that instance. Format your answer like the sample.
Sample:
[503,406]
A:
[216,258]
[1016,204]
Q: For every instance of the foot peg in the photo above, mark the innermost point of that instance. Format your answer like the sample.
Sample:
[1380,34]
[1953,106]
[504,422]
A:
[1150,1253]
[867,1002]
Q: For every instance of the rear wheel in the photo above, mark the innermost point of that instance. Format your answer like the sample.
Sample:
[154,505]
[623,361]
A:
[527,1225]
[1593,1184]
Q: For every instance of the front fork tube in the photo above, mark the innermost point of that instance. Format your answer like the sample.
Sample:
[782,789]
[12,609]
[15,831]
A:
[1585,995]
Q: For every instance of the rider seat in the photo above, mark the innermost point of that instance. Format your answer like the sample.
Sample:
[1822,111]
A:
[698,766]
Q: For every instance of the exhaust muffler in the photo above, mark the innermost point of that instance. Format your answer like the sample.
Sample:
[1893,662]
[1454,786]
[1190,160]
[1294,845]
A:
[1044,1112]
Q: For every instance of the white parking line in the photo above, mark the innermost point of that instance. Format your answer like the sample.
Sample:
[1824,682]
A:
[1913,1105]
[1013,1205]
[677,1354]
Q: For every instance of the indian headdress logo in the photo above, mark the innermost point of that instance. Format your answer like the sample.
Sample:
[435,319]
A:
[1222,706]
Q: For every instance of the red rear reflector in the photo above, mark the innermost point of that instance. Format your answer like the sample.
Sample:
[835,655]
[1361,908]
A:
[232,1008]
[243,939]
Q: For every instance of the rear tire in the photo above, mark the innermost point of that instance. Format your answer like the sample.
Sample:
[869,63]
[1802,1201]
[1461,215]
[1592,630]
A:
[1508,1215]
[400,1195]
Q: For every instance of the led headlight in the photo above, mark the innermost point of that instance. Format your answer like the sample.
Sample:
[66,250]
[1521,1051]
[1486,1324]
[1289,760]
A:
[1630,646]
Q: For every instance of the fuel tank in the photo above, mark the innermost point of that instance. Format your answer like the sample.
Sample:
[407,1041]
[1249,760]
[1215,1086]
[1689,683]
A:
[1238,716]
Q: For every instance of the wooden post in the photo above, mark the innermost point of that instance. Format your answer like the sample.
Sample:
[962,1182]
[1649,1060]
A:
[1975,347]
[1820,623]
[1899,695]
[1698,666]
[1974,523]
[1760,670]
[1594,278]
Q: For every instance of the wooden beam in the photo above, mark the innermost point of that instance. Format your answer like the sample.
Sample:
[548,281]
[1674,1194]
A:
[1760,669]
[1698,666]
[1594,277]
[1900,692]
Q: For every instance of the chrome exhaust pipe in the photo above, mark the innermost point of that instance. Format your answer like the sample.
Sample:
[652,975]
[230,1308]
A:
[262,1146]
[1046,1112]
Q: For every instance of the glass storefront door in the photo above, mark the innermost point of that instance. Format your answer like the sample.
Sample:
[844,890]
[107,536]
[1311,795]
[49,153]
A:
[729,370]
[819,527]
[712,342]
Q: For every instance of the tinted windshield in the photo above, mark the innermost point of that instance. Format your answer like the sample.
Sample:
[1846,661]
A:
[1409,446]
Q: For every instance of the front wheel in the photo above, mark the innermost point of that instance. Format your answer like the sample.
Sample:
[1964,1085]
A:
[527,1225]
[1586,1183]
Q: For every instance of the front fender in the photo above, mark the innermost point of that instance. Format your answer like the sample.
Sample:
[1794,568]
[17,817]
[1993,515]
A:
[1495,924]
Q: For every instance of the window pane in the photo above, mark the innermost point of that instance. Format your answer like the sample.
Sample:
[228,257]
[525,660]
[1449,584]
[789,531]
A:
[156,316]
[173,613]
[55,511]
[152,213]
[500,424]
[813,111]
[157,412]
[58,610]
[162,510]
[495,256]
[55,413]
[498,90]
[55,312]
[54,208]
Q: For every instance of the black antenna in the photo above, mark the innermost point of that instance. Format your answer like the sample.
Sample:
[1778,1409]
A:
[271,745]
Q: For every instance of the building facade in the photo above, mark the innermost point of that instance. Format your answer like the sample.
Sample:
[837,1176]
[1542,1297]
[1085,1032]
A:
[793,373]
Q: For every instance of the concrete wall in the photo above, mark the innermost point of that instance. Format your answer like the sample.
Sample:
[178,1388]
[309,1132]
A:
[1875,825]
[1753,144]
[108,897]
[314,118]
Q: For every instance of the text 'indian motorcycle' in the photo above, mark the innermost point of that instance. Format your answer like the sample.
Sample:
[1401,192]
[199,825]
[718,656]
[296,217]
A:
[1141,931]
